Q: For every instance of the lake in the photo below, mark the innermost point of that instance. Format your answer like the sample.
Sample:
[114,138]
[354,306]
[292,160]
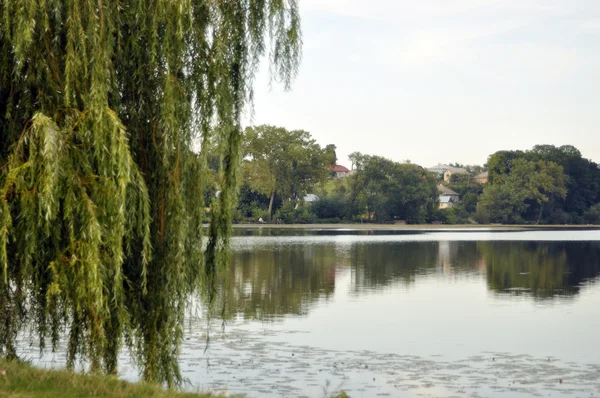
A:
[402,313]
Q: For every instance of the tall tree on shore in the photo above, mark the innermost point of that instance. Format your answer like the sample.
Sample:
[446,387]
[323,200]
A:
[331,154]
[391,190]
[582,182]
[100,193]
[278,161]
[522,194]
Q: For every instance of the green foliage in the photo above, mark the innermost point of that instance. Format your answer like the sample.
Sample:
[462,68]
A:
[332,208]
[331,156]
[100,193]
[252,205]
[281,162]
[520,195]
[469,195]
[23,380]
[500,164]
[582,182]
[592,215]
[293,213]
[453,215]
[391,190]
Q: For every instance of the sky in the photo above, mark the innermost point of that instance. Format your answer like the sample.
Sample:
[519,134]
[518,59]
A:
[439,81]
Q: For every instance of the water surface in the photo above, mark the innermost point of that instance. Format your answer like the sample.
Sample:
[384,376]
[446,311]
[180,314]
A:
[403,313]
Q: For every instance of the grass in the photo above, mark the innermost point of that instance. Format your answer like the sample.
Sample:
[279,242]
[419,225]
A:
[23,381]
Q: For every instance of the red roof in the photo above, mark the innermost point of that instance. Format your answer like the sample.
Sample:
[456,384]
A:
[338,168]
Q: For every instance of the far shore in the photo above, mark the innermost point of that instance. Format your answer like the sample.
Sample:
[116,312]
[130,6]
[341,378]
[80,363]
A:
[401,227]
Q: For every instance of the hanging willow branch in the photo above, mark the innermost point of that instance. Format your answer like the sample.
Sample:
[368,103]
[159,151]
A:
[100,192]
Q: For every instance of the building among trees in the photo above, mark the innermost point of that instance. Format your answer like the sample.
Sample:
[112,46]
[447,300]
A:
[340,171]
[448,198]
[481,178]
[446,172]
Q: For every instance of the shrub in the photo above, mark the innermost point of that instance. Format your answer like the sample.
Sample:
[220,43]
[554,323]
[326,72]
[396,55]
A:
[330,207]
[592,215]
[290,213]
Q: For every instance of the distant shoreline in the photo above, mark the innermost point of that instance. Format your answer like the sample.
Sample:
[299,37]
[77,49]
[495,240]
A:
[408,227]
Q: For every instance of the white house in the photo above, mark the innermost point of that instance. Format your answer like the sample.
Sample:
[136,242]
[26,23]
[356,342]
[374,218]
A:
[448,198]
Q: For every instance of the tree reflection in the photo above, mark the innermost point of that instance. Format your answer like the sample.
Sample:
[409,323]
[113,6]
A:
[271,281]
[379,264]
[542,269]
[267,281]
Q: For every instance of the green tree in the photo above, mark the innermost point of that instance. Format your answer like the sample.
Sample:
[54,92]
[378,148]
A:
[281,162]
[469,195]
[583,179]
[500,164]
[526,189]
[331,154]
[592,215]
[100,193]
[391,190]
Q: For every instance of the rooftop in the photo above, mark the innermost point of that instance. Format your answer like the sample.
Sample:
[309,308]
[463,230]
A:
[338,168]
[444,190]
[440,168]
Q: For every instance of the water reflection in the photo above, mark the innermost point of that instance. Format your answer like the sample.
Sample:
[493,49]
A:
[265,282]
[543,270]
[276,277]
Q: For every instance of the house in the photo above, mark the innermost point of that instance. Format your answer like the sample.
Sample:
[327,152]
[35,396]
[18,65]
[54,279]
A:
[340,171]
[481,178]
[448,198]
[444,171]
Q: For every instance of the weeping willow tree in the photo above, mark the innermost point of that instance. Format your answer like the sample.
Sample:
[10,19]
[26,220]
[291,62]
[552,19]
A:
[101,102]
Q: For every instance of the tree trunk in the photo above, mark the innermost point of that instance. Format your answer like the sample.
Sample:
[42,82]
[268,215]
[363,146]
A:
[540,214]
[271,204]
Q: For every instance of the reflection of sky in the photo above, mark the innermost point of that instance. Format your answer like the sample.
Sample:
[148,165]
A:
[245,242]
[455,319]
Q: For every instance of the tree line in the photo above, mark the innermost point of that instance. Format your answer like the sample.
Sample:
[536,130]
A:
[544,185]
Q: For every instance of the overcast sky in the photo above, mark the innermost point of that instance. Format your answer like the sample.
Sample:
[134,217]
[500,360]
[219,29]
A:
[437,81]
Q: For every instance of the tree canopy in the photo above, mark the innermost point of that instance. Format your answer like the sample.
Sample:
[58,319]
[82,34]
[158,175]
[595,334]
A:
[282,162]
[582,179]
[521,194]
[100,193]
[391,190]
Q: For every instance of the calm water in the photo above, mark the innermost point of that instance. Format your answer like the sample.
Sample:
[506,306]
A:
[445,313]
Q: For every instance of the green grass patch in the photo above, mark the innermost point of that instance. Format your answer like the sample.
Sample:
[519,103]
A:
[334,185]
[23,380]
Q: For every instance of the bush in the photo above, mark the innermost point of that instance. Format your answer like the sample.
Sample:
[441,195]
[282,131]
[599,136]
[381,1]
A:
[454,215]
[289,213]
[592,215]
[330,207]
